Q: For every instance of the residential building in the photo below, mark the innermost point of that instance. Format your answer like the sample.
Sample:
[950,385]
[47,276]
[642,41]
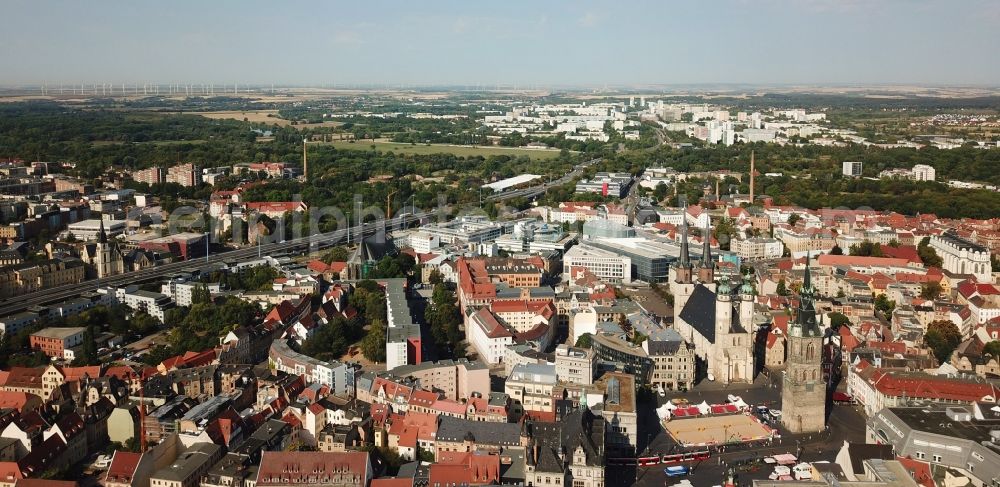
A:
[530,388]
[129,469]
[322,469]
[463,435]
[757,248]
[456,379]
[403,340]
[154,304]
[618,408]
[575,365]
[188,175]
[153,175]
[570,452]
[851,169]
[188,468]
[55,341]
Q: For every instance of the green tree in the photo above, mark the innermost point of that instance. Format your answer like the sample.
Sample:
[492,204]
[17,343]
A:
[927,253]
[866,249]
[836,250]
[435,277]
[942,338]
[992,349]
[838,320]
[336,254]
[782,289]
[373,344]
[725,231]
[930,290]
[443,317]
[885,305]
[201,294]
[661,191]
[585,341]
[793,219]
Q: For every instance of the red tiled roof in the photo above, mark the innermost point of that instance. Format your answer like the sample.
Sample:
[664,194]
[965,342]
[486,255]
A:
[892,384]
[297,467]
[24,377]
[123,465]
[73,374]
[969,288]
[543,308]
[908,252]
[17,400]
[919,471]
[856,260]
[392,482]
[492,327]
[276,206]
[465,468]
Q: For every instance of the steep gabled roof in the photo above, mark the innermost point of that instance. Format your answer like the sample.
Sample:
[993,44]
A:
[699,312]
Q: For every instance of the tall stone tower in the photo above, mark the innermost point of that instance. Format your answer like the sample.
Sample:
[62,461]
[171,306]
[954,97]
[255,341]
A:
[683,284]
[803,391]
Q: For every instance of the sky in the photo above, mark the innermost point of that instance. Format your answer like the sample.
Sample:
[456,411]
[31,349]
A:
[512,42]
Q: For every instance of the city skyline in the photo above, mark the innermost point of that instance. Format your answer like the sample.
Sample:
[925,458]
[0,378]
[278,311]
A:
[818,42]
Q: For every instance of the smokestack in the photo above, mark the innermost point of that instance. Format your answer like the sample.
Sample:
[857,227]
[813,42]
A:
[752,171]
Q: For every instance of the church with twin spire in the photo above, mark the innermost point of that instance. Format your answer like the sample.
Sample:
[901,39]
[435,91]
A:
[715,317]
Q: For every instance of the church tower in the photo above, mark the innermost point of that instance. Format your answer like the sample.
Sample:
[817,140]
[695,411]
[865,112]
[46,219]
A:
[683,285]
[108,259]
[747,296]
[723,309]
[803,391]
[706,273]
[683,267]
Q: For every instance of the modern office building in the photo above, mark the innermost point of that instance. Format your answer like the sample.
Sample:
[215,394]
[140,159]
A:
[606,184]
[601,228]
[607,265]
[650,258]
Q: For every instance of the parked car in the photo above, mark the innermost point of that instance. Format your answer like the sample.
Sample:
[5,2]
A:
[103,461]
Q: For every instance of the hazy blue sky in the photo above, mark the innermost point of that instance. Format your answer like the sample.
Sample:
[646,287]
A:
[525,42]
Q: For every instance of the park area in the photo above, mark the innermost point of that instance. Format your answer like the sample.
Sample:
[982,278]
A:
[457,150]
[716,430]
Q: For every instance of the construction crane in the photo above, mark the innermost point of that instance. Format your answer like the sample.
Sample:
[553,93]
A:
[388,204]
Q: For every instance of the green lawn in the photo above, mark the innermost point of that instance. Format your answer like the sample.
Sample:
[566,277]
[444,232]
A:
[463,151]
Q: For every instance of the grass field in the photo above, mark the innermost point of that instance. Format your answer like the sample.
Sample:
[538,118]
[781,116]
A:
[458,150]
[269,117]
